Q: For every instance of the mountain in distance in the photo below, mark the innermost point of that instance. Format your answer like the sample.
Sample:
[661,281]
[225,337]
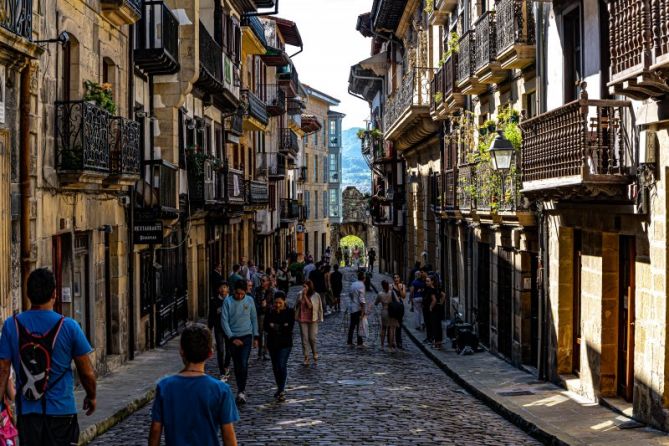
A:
[355,171]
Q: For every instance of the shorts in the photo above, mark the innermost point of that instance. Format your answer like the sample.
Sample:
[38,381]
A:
[48,430]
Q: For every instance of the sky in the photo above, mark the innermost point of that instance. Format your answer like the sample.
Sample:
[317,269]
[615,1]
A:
[331,46]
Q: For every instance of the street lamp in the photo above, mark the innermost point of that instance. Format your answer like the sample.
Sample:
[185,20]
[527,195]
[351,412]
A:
[501,152]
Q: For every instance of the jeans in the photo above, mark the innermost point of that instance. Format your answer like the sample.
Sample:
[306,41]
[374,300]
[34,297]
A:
[261,335]
[222,350]
[355,326]
[279,358]
[240,356]
[418,311]
[309,332]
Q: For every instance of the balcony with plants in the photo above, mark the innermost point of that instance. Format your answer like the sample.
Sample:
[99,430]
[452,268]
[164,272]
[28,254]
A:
[122,12]
[580,150]
[487,69]
[157,39]
[515,34]
[256,117]
[446,96]
[639,47]
[407,114]
[466,79]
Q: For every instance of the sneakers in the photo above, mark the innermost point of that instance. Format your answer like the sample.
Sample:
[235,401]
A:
[241,398]
[226,375]
[281,397]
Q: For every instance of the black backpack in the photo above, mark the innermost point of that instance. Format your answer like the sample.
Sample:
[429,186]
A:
[35,360]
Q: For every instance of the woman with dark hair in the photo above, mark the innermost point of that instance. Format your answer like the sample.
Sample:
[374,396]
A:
[428,297]
[309,313]
[279,324]
[436,299]
[388,324]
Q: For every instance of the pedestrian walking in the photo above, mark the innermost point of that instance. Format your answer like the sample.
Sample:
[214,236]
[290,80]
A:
[263,297]
[244,269]
[191,406]
[399,291]
[40,345]
[240,323]
[309,313]
[317,277]
[416,300]
[356,256]
[437,313]
[336,285]
[371,257]
[279,324]
[328,255]
[430,294]
[388,324]
[412,273]
[216,279]
[357,308]
[215,323]
[327,294]
[283,278]
[234,276]
[347,257]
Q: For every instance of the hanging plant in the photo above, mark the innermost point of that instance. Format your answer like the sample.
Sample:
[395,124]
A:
[452,45]
[102,95]
[376,134]
[361,133]
[438,97]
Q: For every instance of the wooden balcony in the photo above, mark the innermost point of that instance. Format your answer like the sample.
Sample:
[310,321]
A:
[639,47]
[158,191]
[488,69]
[290,210]
[122,12]
[466,80]
[253,35]
[82,143]
[515,33]
[580,150]
[444,87]
[257,195]
[157,40]
[124,144]
[407,115]
[255,113]
[275,99]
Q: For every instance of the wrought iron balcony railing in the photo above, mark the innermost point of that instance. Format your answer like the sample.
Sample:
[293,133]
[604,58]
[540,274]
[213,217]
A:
[295,106]
[466,186]
[288,142]
[414,92]
[82,143]
[515,33]
[211,63]
[235,122]
[485,37]
[258,192]
[162,177]
[585,141]
[202,179]
[255,107]
[437,90]
[290,209]
[275,99]
[639,47]
[466,57]
[124,143]
[17,17]
[157,39]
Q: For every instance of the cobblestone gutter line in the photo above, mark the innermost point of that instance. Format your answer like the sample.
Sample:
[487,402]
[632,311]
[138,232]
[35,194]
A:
[90,433]
[529,423]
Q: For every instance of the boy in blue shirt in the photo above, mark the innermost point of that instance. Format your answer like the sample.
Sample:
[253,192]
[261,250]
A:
[47,413]
[192,406]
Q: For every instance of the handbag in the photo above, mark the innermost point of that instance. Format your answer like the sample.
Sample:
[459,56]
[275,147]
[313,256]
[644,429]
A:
[8,432]
[395,308]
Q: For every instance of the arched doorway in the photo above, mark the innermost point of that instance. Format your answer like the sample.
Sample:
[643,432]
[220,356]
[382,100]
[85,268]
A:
[354,250]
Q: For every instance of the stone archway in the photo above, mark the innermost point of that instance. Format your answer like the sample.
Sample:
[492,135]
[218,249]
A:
[355,220]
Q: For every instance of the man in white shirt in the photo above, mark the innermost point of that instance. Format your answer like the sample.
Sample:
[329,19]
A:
[358,306]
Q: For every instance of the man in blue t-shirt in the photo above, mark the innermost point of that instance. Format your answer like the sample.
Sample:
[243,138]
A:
[52,419]
[192,406]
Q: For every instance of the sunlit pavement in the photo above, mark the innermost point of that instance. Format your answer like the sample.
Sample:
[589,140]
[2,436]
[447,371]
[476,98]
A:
[354,396]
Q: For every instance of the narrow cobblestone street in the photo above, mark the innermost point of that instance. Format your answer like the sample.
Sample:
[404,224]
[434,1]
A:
[354,396]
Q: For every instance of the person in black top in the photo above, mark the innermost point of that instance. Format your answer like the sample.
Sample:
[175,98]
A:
[263,296]
[337,286]
[214,322]
[278,325]
[371,256]
[430,293]
[216,279]
[437,301]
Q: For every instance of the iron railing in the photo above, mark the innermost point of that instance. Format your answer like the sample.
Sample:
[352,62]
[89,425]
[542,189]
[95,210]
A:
[211,57]
[437,89]
[275,99]
[288,142]
[256,25]
[124,143]
[290,209]
[515,23]
[583,138]
[255,107]
[17,17]
[467,186]
[157,39]
[466,57]
[485,37]
[414,92]
[82,142]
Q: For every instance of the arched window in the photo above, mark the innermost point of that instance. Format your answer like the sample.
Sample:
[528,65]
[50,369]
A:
[109,75]
[70,82]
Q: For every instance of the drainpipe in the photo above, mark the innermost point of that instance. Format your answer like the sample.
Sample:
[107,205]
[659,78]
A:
[130,219]
[24,180]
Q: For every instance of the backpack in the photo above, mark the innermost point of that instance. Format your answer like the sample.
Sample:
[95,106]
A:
[395,307]
[35,361]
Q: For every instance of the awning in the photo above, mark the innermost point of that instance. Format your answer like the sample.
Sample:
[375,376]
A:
[310,123]
[275,57]
[378,63]
[289,31]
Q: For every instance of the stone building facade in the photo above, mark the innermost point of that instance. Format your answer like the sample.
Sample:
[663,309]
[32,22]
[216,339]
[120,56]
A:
[551,235]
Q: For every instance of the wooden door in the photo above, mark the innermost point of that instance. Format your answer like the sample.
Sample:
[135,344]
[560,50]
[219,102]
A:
[626,319]
[576,304]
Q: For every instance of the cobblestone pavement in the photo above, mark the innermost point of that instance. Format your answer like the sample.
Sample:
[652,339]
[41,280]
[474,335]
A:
[354,396]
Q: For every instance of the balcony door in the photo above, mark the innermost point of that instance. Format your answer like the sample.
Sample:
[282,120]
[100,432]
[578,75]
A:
[626,318]
[572,52]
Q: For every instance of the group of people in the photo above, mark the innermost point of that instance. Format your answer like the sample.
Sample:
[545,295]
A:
[428,300]
[355,257]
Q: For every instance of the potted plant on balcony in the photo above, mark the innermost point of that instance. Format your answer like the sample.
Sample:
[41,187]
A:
[438,97]
[429,6]
[376,134]
[101,95]
[361,133]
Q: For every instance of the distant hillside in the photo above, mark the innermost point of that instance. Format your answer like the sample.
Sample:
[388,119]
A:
[355,171]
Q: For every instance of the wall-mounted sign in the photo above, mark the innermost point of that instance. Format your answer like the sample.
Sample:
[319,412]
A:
[148,232]
[301,228]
